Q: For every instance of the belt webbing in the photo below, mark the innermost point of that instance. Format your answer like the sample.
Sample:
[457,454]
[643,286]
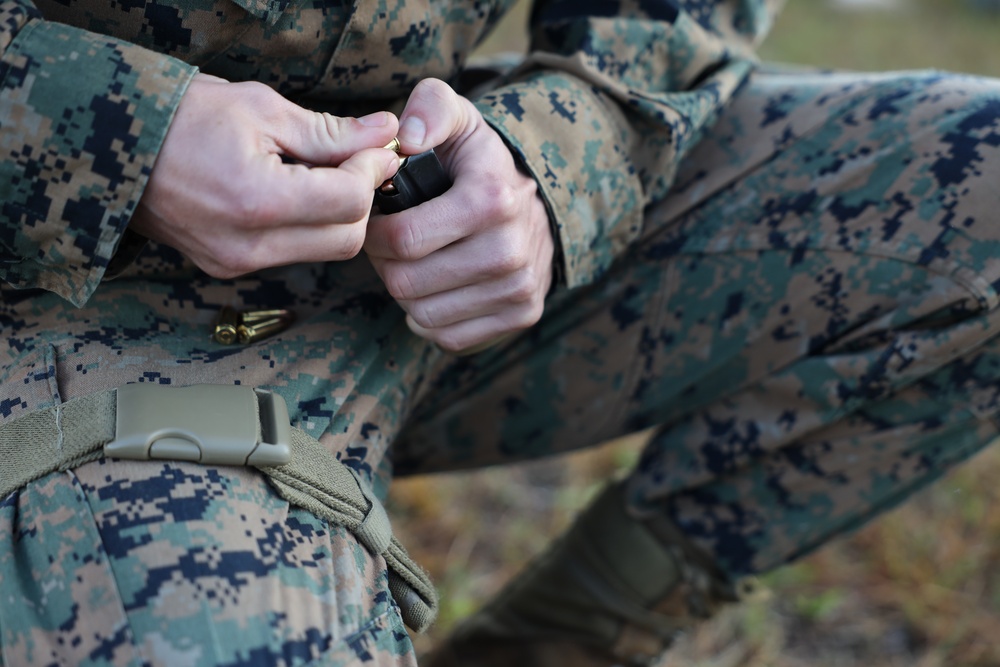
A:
[74,433]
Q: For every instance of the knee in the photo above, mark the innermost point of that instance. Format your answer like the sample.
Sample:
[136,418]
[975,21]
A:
[965,138]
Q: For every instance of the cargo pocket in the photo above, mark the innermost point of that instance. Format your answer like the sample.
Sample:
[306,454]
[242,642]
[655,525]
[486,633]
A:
[60,602]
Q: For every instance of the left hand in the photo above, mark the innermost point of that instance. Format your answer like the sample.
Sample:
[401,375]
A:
[474,264]
[222,194]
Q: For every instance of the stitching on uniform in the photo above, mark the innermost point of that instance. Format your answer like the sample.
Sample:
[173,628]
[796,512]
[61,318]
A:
[59,429]
[51,356]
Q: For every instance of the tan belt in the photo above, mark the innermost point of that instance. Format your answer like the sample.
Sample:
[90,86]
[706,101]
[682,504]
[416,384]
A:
[214,425]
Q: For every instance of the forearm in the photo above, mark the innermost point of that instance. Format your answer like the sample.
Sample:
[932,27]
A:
[606,107]
[84,118]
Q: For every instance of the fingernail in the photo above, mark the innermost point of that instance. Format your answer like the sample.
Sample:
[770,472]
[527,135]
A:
[412,130]
[377,119]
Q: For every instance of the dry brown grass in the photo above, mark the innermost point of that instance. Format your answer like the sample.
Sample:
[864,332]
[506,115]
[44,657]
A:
[920,587]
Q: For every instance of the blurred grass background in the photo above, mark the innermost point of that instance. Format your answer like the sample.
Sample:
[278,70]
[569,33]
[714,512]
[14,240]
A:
[920,587]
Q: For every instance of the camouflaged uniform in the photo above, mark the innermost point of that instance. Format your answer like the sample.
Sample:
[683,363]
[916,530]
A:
[793,274]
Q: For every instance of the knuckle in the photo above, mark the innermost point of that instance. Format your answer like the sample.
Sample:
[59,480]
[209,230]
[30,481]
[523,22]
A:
[231,260]
[254,209]
[422,314]
[535,312]
[357,206]
[262,98]
[523,318]
[510,256]
[501,201]
[328,125]
[353,242]
[523,287]
[404,241]
[398,283]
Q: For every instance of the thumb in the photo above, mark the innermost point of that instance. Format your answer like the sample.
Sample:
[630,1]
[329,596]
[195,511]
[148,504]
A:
[434,113]
[325,139]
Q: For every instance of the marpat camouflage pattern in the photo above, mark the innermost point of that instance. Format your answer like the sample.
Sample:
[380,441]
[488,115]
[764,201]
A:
[793,274]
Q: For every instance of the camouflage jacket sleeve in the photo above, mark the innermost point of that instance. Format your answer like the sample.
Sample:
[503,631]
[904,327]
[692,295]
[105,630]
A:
[82,117]
[613,93]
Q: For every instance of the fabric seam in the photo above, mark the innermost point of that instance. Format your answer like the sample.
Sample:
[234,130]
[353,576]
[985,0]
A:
[138,658]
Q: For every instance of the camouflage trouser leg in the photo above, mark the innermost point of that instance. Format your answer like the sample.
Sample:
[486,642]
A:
[124,563]
[810,319]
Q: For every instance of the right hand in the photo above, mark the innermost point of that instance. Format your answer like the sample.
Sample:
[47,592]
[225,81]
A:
[221,194]
[472,266]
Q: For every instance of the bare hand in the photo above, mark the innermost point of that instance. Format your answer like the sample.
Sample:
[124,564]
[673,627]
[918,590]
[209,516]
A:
[475,263]
[221,193]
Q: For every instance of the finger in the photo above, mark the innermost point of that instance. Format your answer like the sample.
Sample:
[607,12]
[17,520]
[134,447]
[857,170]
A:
[296,194]
[417,232]
[494,254]
[325,139]
[475,335]
[473,301]
[433,114]
[477,201]
[229,256]
[309,243]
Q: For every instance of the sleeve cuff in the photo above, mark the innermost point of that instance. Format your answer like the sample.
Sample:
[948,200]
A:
[575,146]
[89,116]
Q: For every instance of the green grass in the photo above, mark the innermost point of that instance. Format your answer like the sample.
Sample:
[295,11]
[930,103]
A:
[920,587]
[940,34]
